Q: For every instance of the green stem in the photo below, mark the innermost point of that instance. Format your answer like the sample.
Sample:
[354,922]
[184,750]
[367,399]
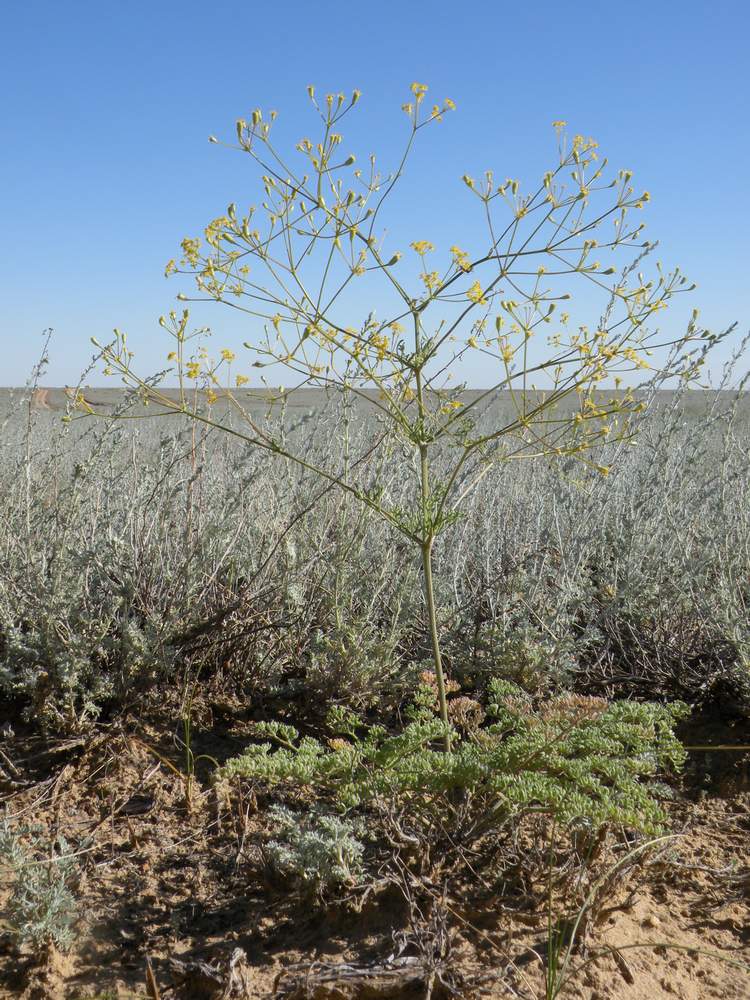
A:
[427,539]
[432,619]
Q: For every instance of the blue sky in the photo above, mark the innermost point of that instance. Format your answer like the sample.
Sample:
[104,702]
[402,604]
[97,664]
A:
[107,109]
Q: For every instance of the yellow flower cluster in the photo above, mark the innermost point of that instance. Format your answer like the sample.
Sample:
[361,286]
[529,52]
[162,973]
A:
[380,342]
[449,407]
[191,251]
[635,358]
[215,229]
[460,258]
[422,247]
[431,280]
[506,351]
[476,295]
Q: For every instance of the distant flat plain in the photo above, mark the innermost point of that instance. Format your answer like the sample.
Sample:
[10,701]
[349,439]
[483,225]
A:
[106,400]
[308,414]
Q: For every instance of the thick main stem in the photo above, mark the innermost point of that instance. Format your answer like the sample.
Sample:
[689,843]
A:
[432,618]
[428,530]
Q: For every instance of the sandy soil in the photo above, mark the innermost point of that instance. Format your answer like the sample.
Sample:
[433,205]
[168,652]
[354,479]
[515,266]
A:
[160,883]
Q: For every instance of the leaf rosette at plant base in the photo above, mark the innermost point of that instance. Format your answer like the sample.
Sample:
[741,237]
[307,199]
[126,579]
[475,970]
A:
[572,758]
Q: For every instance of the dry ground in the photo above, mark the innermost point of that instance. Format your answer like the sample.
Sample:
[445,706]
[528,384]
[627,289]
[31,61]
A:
[161,882]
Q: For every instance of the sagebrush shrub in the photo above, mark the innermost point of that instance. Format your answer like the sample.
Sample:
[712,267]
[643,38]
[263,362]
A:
[318,850]
[632,584]
[42,909]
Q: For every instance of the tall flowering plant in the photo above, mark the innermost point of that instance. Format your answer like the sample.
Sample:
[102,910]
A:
[298,264]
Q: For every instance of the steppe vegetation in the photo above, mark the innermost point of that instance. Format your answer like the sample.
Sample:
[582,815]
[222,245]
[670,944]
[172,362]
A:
[392,698]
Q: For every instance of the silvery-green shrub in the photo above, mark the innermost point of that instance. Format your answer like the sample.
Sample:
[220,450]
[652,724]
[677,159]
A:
[319,850]
[42,909]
